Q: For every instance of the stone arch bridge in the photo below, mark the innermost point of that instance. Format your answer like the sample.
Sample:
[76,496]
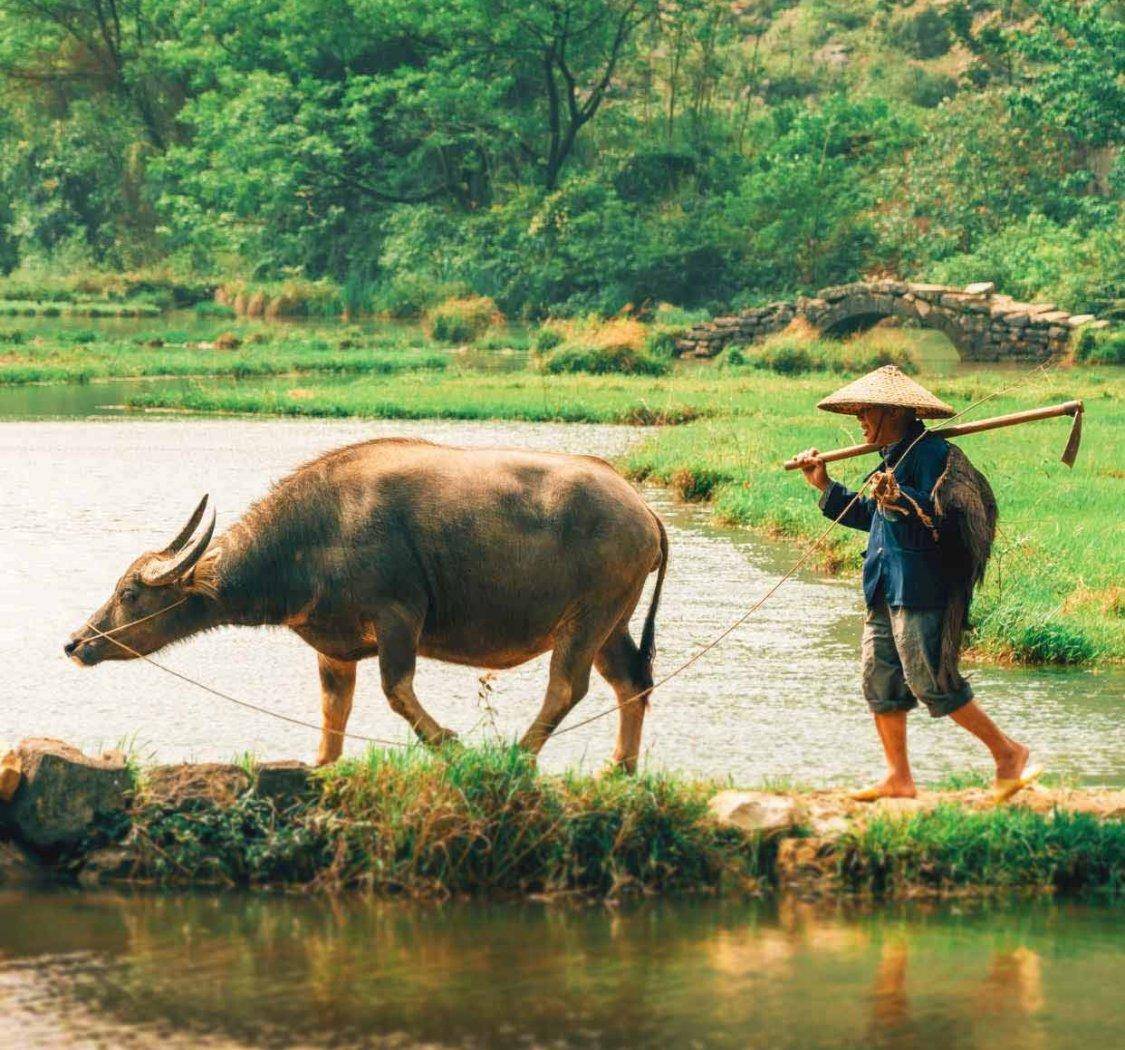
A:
[981,324]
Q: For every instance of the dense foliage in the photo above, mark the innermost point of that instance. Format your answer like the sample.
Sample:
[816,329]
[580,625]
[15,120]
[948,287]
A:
[568,156]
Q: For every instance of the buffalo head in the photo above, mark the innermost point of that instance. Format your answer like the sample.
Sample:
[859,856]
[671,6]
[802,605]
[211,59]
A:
[153,604]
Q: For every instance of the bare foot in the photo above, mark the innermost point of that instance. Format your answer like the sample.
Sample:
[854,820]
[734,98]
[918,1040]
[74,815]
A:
[892,787]
[1011,765]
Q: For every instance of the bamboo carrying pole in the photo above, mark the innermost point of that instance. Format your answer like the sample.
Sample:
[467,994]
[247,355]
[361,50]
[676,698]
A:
[1067,408]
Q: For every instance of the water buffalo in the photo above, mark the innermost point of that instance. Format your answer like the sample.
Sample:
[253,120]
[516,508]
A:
[395,548]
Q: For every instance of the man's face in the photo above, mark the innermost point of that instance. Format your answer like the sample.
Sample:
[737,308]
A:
[876,421]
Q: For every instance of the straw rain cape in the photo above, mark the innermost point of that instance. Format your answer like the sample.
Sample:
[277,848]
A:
[966,506]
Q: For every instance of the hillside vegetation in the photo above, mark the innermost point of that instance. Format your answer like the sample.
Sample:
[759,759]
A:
[558,156]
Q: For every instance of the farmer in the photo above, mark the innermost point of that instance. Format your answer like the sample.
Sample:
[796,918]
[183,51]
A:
[931,518]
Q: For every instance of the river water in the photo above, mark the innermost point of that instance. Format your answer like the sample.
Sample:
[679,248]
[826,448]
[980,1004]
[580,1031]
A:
[86,489]
[778,699]
[104,970]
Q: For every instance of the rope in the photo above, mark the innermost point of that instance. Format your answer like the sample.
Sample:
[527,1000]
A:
[226,696]
[694,658]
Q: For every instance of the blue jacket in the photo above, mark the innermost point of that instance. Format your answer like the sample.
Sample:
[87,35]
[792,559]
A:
[904,562]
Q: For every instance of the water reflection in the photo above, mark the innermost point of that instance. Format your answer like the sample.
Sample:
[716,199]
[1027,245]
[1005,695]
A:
[263,971]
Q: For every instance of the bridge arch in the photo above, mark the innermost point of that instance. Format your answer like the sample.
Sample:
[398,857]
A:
[981,324]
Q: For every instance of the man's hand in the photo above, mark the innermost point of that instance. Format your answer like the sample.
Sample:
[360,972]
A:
[816,473]
[884,488]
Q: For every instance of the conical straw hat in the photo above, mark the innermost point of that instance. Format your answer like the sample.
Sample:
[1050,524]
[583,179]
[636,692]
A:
[886,386]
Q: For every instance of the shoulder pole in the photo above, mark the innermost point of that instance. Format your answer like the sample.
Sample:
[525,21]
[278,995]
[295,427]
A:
[1067,408]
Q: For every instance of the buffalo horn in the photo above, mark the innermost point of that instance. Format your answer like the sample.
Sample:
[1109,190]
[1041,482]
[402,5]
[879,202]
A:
[185,533]
[162,570]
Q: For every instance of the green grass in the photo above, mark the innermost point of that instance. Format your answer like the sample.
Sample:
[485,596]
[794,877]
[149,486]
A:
[69,359]
[453,394]
[951,847]
[462,821]
[484,821]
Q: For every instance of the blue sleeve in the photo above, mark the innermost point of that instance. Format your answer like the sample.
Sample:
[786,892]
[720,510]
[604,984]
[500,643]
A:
[835,498]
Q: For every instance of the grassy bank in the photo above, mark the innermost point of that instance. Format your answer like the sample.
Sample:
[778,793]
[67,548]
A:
[465,821]
[1052,593]
[483,821]
[79,357]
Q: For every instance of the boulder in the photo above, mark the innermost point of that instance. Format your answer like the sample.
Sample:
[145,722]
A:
[980,288]
[18,866]
[755,811]
[64,792]
[104,865]
[284,782]
[184,784]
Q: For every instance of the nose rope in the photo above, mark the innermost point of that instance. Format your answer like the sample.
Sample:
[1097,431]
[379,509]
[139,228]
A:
[698,655]
[235,700]
[133,623]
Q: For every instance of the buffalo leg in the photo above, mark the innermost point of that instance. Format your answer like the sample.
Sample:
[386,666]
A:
[568,682]
[337,687]
[619,663]
[398,654]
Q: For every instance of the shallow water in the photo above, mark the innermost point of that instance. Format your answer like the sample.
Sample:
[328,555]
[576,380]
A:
[777,699]
[107,970]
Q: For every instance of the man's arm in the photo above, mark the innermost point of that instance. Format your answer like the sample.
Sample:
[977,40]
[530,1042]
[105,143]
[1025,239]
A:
[834,497]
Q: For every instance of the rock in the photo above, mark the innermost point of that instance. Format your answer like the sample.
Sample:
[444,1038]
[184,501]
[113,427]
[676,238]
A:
[754,810]
[18,866]
[104,865]
[11,772]
[183,784]
[980,288]
[1052,316]
[284,782]
[63,792]
[1077,320]
[830,826]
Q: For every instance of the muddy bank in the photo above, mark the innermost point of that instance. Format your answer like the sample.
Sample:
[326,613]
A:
[485,822]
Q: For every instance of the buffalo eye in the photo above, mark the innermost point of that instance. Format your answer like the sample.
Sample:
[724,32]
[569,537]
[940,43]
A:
[128,597]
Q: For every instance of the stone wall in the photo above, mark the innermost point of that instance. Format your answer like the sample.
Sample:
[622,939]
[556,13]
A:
[983,325]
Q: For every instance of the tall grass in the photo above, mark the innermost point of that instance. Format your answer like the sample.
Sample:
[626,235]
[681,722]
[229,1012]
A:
[484,821]
[461,821]
[1006,847]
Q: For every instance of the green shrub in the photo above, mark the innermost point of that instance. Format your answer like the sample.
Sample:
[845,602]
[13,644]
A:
[463,320]
[548,338]
[1106,347]
[602,360]
[927,89]
[410,295]
[922,34]
[661,340]
[12,335]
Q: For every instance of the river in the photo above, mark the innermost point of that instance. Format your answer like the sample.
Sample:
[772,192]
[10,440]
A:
[106,970]
[777,700]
